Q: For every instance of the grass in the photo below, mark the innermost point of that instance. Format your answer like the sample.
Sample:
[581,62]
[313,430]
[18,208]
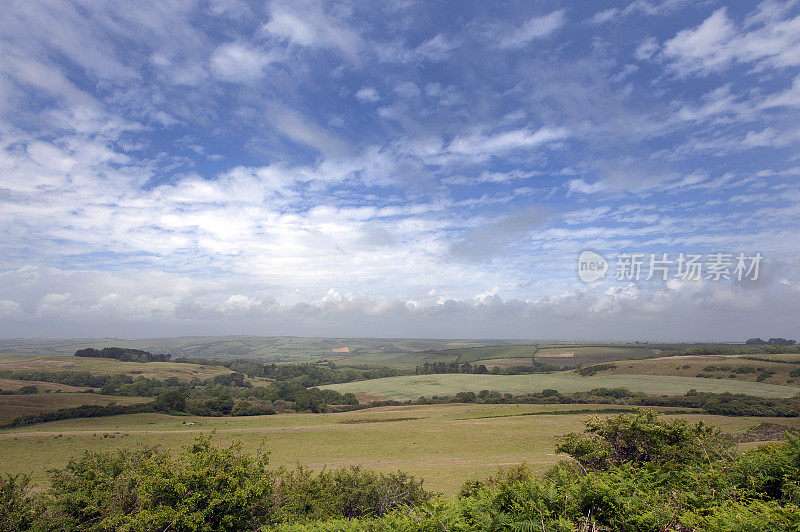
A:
[105,366]
[392,360]
[446,445]
[471,354]
[13,406]
[415,386]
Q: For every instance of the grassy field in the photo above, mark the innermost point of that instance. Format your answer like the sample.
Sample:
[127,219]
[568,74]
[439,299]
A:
[392,360]
[105,366]
[716,367]
[446,444]
[13,406]
[415,386]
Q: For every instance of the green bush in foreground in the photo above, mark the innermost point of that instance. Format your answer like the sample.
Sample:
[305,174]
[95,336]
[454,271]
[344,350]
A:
[633,472]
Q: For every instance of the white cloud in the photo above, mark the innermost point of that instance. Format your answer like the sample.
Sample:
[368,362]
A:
[302,130]
[437,48]
[306,24]
[533,29]
[718,43]
[482,146]
[580,185]
[367,94]
[646,49]
[237,61]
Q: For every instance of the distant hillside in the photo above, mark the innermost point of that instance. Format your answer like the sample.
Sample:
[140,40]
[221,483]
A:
[263,348]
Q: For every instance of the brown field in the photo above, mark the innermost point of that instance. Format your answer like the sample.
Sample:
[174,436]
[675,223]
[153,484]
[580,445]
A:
[13,406]
[105,366]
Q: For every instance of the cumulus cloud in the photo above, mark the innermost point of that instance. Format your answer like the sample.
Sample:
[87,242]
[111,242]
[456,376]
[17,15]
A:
[162,174]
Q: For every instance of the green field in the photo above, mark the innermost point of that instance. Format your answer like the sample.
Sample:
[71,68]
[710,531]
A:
[105,366]
[392,360]
[446,445]
[415,386]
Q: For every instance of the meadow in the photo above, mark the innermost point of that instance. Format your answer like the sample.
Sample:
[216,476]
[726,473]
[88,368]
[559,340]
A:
[415,386]
[443,444]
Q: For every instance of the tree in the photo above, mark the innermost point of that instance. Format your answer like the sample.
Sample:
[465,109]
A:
[171,401]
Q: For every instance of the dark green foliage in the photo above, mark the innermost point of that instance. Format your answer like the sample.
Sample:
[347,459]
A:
[591,370]
[642,438]
[16,506]
[171,401]
[764,375]
[83,411]
[202,488]
[123,354]
[734,350]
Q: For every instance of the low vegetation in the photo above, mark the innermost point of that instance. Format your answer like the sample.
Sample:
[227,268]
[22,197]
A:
[630,472]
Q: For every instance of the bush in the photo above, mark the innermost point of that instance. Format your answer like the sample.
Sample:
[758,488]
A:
[641,437]
[16,507]
[206,488]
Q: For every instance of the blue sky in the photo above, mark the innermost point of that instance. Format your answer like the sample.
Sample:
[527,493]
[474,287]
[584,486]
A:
[395,168]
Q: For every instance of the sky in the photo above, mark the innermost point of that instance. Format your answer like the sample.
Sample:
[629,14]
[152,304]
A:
[398,169]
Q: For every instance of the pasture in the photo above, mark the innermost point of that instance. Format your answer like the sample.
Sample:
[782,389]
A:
[415,386]
[444,444]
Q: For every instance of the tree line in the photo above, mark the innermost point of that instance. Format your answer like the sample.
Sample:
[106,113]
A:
[123,354]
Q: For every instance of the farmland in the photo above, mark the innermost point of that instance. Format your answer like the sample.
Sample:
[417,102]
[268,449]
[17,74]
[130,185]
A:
[415,386]
[444,444]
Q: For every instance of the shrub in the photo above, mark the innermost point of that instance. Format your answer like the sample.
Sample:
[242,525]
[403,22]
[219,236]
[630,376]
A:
[16,507]
[638,438]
